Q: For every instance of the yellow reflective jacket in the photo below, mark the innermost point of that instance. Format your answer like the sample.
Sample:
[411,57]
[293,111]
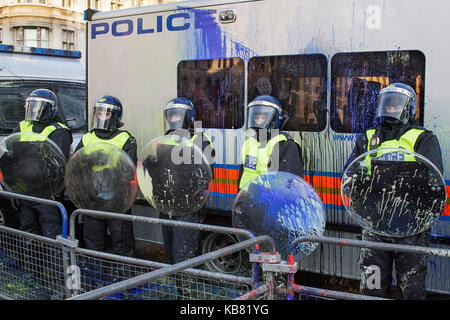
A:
[407,142]
[256,159]
[27,126]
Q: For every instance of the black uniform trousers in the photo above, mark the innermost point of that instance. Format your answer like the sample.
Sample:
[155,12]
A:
[181,243]
[410,268]
[121,231]
[40,219]
[45,220]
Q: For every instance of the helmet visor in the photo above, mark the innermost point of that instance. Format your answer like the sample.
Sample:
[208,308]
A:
[105,116]
[393,105]
[261,117]
[174,118]
[35,108]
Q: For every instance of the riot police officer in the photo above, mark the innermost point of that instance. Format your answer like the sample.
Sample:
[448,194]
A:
[396,112]
[106,122]
[41,116]
[181,243]
[265,148]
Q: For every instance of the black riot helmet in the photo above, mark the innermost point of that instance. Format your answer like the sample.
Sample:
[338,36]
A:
[265,112]
[179,113]
[41,105]
[397,102]
[107,114]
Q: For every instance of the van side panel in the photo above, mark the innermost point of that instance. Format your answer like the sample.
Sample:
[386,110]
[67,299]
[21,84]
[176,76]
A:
[135,56]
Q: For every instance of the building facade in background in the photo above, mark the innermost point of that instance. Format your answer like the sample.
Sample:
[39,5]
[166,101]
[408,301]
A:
[56,24]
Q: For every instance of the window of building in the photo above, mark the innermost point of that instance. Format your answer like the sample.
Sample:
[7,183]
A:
[357,78]
[32,37]
[94,4]
[216,88]
[116,4]
[67,3]
[298,82]
[68,42]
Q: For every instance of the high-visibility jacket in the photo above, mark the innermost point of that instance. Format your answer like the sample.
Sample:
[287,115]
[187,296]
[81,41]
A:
[117,141]
[195,136]
[27,126]
[191,141]
[407,142]
[256,159]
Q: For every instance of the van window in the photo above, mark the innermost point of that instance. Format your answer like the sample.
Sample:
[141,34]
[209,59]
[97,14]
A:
[216,88]
[71,97]
[299,82]
[357,78]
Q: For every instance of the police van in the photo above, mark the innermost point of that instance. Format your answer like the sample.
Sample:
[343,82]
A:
[325,61]
[24,69]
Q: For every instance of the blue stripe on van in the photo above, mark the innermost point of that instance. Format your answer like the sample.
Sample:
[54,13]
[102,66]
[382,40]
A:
[226,166]
[222,195]
[323,173]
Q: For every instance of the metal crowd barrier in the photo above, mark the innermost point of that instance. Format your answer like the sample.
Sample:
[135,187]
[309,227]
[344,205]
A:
[182,282]
[35,267]
[271,265]
[144,281]
[59,205]
[32,266]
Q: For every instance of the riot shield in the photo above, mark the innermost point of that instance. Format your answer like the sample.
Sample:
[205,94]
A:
[31,164]
[174,175]
[282,206]
[101,176]
[393,192]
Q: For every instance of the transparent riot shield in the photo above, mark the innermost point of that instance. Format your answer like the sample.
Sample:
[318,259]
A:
[31,164]
[393,192]
[101,176]
[174,175]
[282,206]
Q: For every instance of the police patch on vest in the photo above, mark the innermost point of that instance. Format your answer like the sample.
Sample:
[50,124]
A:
[250,162]
[392,156]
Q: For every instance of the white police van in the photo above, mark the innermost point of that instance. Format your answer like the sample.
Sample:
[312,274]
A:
[24,69]
[325,61]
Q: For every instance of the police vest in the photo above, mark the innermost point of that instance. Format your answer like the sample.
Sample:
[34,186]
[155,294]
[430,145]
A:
[117,141]
[27,126]
[195,136]
[191,141]
[407,141]
[256,159]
